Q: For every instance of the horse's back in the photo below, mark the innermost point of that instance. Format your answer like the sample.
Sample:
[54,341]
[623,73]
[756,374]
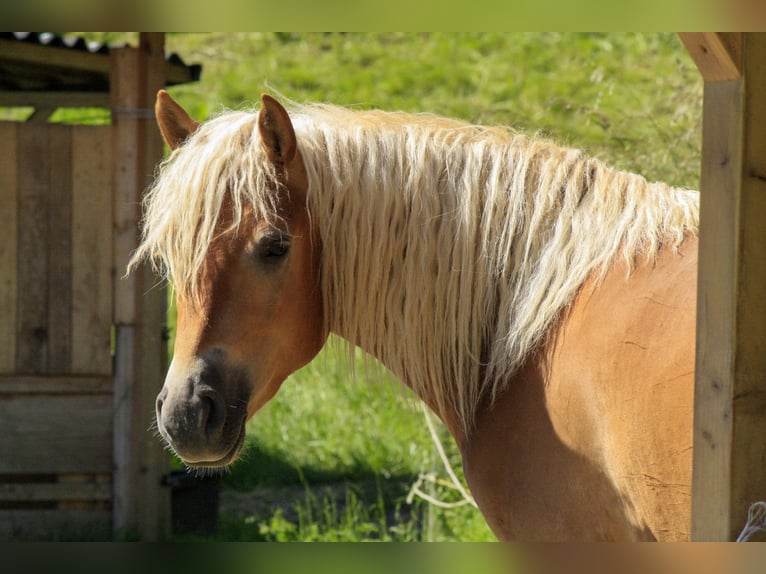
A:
[603,416]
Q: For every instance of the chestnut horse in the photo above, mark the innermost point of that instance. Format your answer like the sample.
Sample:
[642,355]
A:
[539,302]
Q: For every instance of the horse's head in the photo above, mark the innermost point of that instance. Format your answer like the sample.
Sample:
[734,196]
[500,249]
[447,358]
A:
[259,316]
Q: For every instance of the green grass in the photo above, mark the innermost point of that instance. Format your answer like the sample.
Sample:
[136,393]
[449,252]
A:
[365,434]
[633,100]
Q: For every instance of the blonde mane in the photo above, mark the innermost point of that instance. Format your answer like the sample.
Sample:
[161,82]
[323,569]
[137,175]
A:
[448,250]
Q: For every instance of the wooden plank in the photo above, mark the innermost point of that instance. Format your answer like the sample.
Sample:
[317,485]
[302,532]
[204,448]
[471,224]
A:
[718,55]
[60,250]
[124,240]
[8,244]
[55,434]
[154,518]
[51,525]
[126,207]
[721,160]
[48,385]
[749,392]
[140,504]
[730,389]
[33,53]
[126,490]
[32,311]
[85,488]
[54,99]
[92,273]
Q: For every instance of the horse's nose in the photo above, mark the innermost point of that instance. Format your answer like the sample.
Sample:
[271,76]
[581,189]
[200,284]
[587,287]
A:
[191,415]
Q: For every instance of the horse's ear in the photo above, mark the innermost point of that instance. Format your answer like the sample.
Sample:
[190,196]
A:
[276,130]
[175,124]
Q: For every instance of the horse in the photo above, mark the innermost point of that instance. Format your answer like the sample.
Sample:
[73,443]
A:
[540,302]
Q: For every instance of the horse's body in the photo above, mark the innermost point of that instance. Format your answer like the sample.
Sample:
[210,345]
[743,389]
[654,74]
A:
[540,303]
[592,439]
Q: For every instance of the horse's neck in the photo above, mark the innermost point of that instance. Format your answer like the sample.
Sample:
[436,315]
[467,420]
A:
[394,266]
[443,282]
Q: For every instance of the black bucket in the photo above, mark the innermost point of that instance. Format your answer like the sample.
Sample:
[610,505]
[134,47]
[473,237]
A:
[193,503]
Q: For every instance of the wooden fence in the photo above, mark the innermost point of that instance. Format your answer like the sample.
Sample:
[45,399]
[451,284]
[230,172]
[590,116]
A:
[81,349]
[55,332]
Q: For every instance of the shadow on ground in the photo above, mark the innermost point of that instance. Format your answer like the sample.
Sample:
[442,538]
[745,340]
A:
[262,491]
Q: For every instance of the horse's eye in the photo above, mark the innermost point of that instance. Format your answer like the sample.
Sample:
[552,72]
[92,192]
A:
[272,249]
[276,249]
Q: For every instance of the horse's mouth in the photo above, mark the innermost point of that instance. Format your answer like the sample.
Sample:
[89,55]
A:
[231,455]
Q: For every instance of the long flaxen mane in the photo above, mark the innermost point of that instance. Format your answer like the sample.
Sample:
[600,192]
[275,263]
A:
[448,250]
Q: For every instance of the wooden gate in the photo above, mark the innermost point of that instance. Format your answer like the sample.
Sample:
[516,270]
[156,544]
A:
[55,332]
[82,353]
[77,370]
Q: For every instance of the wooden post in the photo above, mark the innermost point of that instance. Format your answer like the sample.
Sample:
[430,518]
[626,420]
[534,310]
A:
[141,503]
[729,470]
[9,265]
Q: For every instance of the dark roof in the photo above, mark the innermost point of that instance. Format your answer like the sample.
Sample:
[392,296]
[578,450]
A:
[38,63]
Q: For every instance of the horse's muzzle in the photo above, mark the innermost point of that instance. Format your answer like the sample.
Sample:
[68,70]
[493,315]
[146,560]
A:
[202,413]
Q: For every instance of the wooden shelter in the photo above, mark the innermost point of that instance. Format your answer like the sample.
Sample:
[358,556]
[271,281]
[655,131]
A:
[730,391]
[82,350]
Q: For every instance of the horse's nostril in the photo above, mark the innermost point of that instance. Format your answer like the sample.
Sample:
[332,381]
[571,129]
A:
[194,417]
[214,415]
[160,401]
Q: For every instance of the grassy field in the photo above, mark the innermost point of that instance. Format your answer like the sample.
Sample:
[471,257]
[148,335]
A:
[333,457]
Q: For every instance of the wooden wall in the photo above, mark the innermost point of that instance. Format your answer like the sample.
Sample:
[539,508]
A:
[82,349]
[55,249]
[56,286]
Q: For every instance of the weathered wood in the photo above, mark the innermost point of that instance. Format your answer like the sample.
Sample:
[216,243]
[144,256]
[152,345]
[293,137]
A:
[60,250]
[749,392]
[48,385]
[92,273]
[80,488]
[730,390]
[80,76]
[34,53]
[154,521]
[32,307]
[37,525]
[8,244]
[71,203]
[721,161]
[718,55]
[55,434]
[54,99]
[124,240]
[84,491]
[140,503]
[126,499]
[125,150]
